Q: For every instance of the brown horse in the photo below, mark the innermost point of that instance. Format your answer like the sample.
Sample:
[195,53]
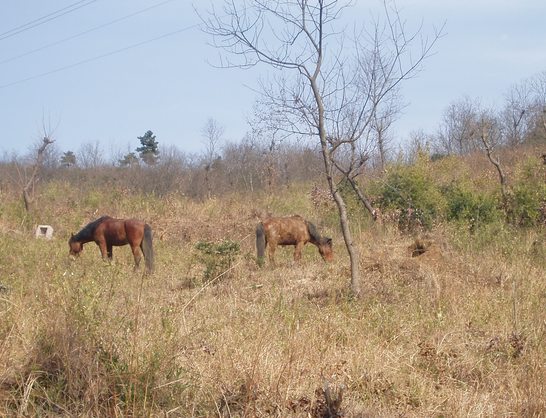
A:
[292,230]
[107,232]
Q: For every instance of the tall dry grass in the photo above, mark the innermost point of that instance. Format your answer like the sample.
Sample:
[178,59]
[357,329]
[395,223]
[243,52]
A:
[456,331]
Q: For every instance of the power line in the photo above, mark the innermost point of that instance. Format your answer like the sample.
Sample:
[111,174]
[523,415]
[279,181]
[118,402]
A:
[47,18]
[40,18]
[108,54]
[77,35]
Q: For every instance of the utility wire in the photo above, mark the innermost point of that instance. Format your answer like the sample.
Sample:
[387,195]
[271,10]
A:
[47,18]
[40,18]
[108,54]
[85,32]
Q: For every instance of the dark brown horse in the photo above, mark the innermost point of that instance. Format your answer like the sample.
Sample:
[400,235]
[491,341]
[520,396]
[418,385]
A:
[107,232]
[292,230]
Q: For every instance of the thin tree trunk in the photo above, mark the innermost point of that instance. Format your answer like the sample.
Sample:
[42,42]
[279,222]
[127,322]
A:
[207,182]
[496,164]
[340,203]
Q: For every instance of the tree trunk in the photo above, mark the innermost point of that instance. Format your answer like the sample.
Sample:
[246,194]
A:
[340,203]
[207,182]
[496,164]
[351,249]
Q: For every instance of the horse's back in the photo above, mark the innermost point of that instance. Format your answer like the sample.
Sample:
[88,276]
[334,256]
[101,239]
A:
[120,231]
[134,225]
[286,230]
[134,229]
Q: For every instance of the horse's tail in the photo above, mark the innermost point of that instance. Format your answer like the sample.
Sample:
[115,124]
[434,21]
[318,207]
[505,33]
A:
[147,248]
[260,243]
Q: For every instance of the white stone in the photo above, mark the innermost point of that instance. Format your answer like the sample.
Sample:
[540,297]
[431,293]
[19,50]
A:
[44,231]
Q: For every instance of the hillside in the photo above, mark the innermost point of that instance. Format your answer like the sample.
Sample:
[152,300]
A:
[451,321]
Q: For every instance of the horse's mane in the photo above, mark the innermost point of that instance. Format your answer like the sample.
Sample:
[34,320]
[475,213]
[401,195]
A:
[88,230]
[313,232]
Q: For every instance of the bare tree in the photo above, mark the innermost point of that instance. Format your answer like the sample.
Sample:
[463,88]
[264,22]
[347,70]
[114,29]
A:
[489,137]
[242,163]
[420,143]
[90,155]
[212,135]
[456,132]
[517,115]
[268,134]
[538,88]
[28,189]
[524,113]
[327,95]
[380,127]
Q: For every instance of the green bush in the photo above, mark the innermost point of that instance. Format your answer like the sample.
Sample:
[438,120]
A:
[528,195]
[470,207]
[410,192]
[216,257]
[524,206]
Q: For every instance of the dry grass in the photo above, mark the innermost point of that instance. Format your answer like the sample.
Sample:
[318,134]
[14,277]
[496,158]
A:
[454,331]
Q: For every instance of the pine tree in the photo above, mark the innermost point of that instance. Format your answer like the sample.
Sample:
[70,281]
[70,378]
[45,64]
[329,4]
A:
[68,159]
[149,151]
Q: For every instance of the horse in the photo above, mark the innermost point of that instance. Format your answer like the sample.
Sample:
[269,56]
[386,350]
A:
[107,232]
[291,230]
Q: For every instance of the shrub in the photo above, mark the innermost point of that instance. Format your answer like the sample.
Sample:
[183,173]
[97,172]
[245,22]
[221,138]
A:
[216,257]
[528,194]
[471,207]
[412,194]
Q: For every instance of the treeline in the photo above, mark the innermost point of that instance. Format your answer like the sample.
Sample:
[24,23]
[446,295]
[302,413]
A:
[265,160]
[238,167]
[468,126]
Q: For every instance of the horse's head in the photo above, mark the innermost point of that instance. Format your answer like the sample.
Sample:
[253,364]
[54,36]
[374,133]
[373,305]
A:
[326,250]
[76,247]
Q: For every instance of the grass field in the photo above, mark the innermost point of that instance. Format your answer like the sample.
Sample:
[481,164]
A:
[457,331]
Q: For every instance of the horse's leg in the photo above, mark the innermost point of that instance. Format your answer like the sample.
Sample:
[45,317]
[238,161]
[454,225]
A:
[103,249]
[272,248]
[297,251]
[136,254]
[109,252]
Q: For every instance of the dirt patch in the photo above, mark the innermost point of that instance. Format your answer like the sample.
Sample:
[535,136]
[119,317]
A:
[428,249]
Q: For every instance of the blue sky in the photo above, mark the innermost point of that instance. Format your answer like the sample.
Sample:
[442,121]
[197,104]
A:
[168,86]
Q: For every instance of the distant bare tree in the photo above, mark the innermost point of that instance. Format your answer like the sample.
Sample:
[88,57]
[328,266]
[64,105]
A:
[383,92]
[380,130]
[326,92]
[28,189]
[524,113]
[538,86]
[517,114]
[487,130]
[239,164]
[268,134]
[420,143]
[169,173]
[90,155]
[212,133]
[459,120]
